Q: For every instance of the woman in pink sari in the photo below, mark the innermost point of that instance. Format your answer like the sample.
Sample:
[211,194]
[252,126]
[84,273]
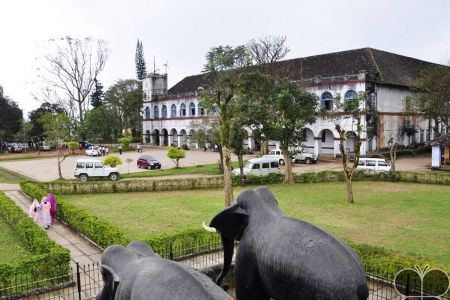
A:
[51,198]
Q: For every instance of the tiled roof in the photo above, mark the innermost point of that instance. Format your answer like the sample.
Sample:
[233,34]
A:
[383,67]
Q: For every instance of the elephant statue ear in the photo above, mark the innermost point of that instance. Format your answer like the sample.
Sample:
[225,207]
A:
[141,249]
[111,281]
[231,222]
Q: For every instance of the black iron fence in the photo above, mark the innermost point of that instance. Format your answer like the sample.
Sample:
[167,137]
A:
[85,281]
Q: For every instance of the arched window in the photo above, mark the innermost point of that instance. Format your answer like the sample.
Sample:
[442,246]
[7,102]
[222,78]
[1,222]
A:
[350,94]
[147,112]
[192,109]
[326,101]
[201,110]
[156,112]
[164,112]
[183,110]
[173,110]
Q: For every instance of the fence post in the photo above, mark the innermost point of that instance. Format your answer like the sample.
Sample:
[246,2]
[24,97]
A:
[78,281]
[170,251]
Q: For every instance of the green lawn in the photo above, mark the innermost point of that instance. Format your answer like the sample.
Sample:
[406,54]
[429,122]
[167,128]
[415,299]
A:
[412,218]
[11,248]
[7,176]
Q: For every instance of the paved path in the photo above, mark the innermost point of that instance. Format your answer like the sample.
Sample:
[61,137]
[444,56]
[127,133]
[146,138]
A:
[81,250]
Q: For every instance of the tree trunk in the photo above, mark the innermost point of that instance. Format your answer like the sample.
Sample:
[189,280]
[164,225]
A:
[393,156]
[80,107]
[348,179]
[59,166]
[288,178]
[221,159]
[228,182]
[241,169]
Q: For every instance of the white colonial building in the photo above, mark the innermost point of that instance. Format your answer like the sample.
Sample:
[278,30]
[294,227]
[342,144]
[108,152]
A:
[388,79]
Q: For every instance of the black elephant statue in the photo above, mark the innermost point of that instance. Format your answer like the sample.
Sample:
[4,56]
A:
[284,258]
[136,272]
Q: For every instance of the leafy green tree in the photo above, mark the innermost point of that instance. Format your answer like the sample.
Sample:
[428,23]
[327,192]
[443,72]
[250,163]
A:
[72,146]
[124,100]
[175,155]
[280,109]
[224,66]
[433,98]
[141,69]
[97,96]
[11,118]
[112,160]
[98,125]
[56,130]
[37,131]
[207,131]
[126,141]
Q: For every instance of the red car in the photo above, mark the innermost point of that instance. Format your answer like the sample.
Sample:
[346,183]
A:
[148,162]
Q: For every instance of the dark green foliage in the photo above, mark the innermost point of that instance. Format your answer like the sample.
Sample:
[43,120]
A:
[141,70]
[124,101]
[49,260]
[11,118]
[97,95]
[98,125]
[36,130]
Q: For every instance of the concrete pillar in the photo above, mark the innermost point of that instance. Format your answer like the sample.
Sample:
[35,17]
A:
[151,139]
[179,140]
[170,139]
[336,147]
[161,140]
[250,143]
[316,146]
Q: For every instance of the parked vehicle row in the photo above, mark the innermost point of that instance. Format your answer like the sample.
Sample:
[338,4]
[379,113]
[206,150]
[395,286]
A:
[301,155]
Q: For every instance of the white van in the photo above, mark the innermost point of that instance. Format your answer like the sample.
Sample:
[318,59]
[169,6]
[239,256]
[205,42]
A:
[376,165]
[260,166]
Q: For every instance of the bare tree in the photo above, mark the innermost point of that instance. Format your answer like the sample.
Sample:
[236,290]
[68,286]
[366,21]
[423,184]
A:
[71,66]
[268,49]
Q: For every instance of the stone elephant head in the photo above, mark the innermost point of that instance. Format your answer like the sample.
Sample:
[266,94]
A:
[136,272]
[284,258]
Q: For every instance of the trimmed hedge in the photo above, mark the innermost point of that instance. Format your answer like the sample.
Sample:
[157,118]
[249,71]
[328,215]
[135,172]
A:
[101,232]
[50,259]
[143,185]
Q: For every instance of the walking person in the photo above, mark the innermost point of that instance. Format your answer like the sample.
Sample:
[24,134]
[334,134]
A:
[120,149]
[138,148]
[106,151]
[103,150]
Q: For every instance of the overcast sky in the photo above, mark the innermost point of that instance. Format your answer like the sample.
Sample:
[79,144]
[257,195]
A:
[181,32]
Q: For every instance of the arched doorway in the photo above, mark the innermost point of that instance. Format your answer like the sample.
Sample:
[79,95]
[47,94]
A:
[183,136]
[190,139]
[174,137]
[147,137]
[155,136]
[326,142]
[165,137]
[350,143]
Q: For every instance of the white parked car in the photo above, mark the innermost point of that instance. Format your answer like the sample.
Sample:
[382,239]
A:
[86,168]
[45,147]
[304,156]
[94,151]
[377,165]
[278,154]
[260,166]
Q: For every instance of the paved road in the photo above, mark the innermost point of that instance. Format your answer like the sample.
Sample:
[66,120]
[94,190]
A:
[45,169]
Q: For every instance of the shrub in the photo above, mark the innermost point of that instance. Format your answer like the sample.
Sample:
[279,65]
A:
[72,146]
[126,141]
[175,155]
[185,147]
[112,160]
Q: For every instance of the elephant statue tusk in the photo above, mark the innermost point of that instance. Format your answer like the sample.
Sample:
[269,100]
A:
[209,229]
